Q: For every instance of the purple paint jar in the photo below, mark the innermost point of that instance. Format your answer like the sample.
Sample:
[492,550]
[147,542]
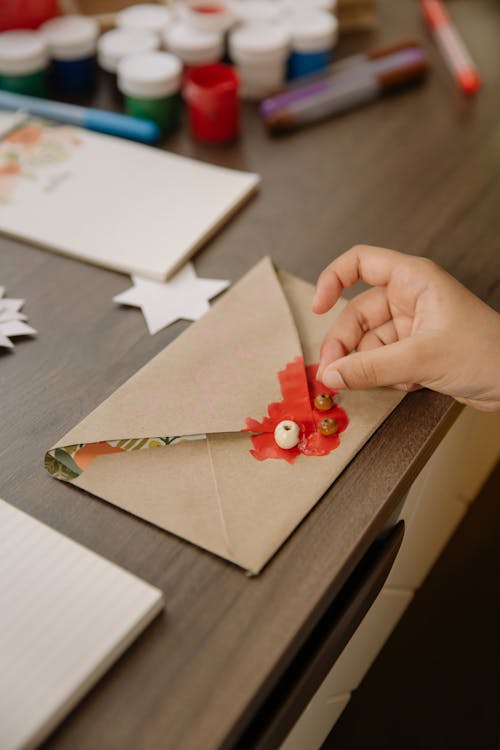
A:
[72,42]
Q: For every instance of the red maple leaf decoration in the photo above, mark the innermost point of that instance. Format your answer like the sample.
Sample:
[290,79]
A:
[299,388]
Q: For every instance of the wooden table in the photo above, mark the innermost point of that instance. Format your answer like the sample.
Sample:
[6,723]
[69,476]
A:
[418,171]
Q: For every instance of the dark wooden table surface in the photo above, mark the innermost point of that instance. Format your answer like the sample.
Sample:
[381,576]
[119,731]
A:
[420,172]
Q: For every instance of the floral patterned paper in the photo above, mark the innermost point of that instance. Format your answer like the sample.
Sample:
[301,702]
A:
[68,462]
[31,147]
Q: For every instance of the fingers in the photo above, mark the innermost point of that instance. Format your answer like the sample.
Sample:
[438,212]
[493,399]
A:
[367,311]
[380,336]
[375,265]
[407,361]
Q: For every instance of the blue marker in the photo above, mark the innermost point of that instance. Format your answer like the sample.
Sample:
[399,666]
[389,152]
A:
[112,123]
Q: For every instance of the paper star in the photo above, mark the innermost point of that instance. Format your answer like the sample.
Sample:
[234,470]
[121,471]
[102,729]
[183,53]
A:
[11,320]
[9,310]
[184,296]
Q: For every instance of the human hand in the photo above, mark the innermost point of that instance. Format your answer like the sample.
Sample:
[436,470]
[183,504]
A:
[417,326]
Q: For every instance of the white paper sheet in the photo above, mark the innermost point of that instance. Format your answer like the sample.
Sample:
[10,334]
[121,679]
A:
[123,205]
[66,614]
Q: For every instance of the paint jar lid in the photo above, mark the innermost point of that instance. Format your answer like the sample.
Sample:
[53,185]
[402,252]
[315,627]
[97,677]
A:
[205,83]
[193,46]
[328,5]
[144,17]
[150,75]
[261,44]
[307,5]
[207,15]
[258,11]
[22,52]
[312,31]
[117,44]
[70,37]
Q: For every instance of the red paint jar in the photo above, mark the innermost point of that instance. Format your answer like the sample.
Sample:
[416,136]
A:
[211,93]
[26,14]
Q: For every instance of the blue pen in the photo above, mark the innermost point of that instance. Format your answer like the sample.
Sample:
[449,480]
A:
[112,123]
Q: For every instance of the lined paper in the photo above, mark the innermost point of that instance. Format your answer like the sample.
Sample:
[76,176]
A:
[66,614]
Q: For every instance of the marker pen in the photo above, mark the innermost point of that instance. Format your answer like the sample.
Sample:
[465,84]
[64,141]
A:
[85,117]
[451,45]
[352,86]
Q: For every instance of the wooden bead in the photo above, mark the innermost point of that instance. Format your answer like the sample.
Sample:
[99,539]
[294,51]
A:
[286,434]
[328,426]
[324,402]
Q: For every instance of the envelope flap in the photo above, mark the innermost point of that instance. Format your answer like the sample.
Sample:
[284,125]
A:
[209,380]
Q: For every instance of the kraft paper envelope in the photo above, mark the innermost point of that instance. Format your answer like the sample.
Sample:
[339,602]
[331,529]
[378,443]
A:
[209,488]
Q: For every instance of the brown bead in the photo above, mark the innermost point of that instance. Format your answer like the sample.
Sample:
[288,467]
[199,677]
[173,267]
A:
[323,402]
[328,426]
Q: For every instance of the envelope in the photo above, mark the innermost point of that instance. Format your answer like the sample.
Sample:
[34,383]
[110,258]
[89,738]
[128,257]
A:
[187,443]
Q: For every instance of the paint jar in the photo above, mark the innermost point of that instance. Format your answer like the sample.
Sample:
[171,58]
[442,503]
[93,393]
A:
[24,60]
[313,35]
[329,5]
[207,15]
[258,11]
[117,44]
[211,93]
[194,47]
[307,5]
[72,44]
[260,54]
[145,17]
[26,15]
[150,83]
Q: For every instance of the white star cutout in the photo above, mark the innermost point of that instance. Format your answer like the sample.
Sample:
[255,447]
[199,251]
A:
[184,296]
[11,320]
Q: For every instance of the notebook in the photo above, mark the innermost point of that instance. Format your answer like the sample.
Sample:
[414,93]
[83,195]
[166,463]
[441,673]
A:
[104,200]
[66,614]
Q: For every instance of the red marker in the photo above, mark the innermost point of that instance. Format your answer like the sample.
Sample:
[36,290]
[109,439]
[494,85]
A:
[451,45]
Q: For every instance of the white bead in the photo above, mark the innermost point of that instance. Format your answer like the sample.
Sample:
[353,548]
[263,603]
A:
[286,434]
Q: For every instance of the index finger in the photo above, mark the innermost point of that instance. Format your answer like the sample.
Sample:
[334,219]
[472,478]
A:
[375,265]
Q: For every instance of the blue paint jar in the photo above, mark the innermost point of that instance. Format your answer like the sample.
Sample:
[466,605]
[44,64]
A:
[313,35]
[72,42]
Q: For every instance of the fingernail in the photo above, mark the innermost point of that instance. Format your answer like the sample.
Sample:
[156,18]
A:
[315,300]
[334,380]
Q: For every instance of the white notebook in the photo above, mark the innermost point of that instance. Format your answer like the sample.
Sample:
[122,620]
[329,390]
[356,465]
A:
[66,614]
[108,201]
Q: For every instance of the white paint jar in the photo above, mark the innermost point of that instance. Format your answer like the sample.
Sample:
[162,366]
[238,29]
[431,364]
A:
[145,17]
[192,46]
[117,44]
[260,54]
[306,5]
[258,11]
[207,15]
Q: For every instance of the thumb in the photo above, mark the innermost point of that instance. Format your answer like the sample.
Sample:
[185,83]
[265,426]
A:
[406,361]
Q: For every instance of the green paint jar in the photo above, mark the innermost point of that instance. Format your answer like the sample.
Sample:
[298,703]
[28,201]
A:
[24,60]
[150,83]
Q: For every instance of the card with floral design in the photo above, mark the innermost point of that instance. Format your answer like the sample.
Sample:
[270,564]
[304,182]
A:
[122,205]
